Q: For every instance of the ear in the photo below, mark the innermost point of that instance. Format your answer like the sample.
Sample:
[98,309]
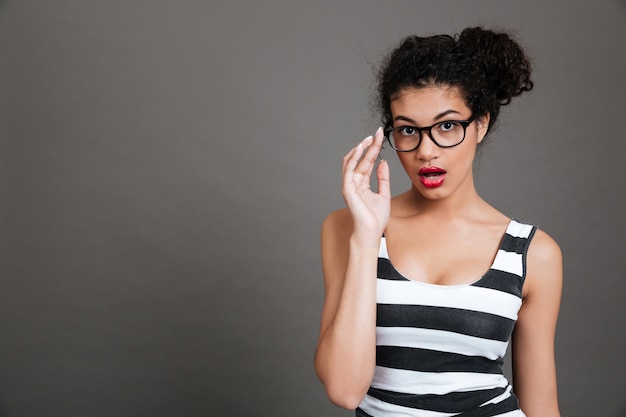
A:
[483,125]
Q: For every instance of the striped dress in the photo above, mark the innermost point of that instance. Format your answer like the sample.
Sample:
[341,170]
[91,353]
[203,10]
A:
[439,349]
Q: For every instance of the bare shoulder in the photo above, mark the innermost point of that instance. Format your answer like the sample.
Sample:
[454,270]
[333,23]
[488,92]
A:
[544,264]
[543,248]
[544,255]
[337,224]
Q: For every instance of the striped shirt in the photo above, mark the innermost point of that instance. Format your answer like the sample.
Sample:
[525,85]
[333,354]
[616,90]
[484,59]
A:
[440,348]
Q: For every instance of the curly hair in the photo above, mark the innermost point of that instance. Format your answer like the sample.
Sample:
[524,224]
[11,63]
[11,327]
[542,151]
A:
[489,68]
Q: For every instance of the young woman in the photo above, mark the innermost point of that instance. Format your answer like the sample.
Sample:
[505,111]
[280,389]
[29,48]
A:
[423,291]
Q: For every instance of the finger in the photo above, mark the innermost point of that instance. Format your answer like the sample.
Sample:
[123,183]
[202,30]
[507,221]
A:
[352,158]
[348,165]
[379,138]
[384,183]
[369,159]
[350,162]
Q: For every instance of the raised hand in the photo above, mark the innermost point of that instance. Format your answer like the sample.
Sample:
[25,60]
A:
[369,209]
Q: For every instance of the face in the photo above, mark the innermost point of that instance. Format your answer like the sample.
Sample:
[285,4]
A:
[438,172]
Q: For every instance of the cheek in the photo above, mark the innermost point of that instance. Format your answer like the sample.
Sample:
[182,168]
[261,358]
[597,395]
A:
[465,154]
[406,160]
[461,159]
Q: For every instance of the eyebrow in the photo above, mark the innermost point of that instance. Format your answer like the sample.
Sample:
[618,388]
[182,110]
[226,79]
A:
[439,116]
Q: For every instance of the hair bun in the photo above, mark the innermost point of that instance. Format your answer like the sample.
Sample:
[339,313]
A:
[501,67]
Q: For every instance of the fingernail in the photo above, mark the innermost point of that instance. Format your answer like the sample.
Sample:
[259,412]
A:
[380,128]
[367,138]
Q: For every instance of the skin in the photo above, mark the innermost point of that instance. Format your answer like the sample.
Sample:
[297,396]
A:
[446,236]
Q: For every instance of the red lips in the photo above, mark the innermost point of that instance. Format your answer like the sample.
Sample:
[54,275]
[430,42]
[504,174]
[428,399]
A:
[432,176]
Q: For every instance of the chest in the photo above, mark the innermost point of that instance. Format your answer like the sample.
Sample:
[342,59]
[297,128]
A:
[478,315]
[468,320]
[442,256]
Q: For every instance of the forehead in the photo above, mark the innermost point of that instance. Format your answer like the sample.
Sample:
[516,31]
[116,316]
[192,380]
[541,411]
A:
[425,103]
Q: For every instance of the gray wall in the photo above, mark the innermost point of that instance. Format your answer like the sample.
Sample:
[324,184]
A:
[166,166]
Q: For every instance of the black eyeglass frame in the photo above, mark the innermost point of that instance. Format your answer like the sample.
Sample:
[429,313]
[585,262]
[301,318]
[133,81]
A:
[428,129]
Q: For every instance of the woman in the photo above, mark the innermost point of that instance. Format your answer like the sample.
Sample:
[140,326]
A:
[424,290]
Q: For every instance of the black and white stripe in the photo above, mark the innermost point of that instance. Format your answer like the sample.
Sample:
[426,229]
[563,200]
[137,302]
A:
[439,349]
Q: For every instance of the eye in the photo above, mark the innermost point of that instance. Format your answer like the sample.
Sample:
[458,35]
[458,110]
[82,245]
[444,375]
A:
[447,126]
[407,131]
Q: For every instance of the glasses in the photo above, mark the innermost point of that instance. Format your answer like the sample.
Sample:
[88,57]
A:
[444,134]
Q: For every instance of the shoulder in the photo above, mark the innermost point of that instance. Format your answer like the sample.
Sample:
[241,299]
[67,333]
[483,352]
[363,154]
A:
[543,250]
[337,225]
[544,264]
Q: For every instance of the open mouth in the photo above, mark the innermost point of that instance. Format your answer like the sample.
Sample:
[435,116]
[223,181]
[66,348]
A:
[432,177]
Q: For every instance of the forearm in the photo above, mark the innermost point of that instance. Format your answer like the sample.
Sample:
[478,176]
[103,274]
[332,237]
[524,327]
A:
[346,352]
[346,355]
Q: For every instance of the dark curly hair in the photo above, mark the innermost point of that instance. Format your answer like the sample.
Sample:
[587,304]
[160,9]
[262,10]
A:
[488,67]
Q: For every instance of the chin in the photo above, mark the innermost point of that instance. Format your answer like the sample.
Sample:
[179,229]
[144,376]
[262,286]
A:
[437,193]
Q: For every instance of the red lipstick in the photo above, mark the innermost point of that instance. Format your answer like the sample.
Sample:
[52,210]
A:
[432,176]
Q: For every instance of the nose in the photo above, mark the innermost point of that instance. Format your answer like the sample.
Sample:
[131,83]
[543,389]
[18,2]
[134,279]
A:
[427,150]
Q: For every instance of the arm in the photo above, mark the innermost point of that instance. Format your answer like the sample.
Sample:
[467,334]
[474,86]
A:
[346,352]
[534,369]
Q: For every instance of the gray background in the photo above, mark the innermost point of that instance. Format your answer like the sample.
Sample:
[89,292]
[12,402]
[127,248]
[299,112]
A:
[166,166]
